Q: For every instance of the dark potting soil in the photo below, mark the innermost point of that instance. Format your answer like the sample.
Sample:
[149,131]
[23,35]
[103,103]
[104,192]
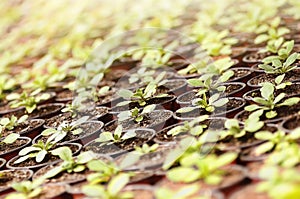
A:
[8,177]
[239,73]
[108,97]
[129,144]
[233,103]
[23,127]
[170,86]
[256,57]
[292,123]
[5,148]
[57,120]
[291,76]
[51,191]
[131,105]
[65,94]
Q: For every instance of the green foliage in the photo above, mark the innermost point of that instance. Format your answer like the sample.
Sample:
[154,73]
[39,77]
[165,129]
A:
[70,164]
[12,122]
[65,128]
[193,127]
[26,189]
[208,104]
[112,191]
[102,171]
[38,151]
[29,101]
[135,113]
[6,84]
[208,168]
[117,136]
[234,129]
[268,102]
[283,62]
[277,140]
[185,192]
[278,183]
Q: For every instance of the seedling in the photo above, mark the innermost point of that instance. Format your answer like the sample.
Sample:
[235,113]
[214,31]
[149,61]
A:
[29,101]
[70,164]
[268,102]
[234,129]
[183,193]
[37,151]
[276,179]
[156,58]
[281,63]
[112,191]
[208,104]
[207,168]
[116,136]
[193,127]
[6,84]
[141,95]
[65,128]
[27,189]
[136,114]
[221,69]
[76,106]
[198,67]
[12,122]
[275,140]
[103,171]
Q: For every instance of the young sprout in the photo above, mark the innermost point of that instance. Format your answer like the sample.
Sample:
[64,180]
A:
[65,128]
[233,128]
[112,191]
[29,101]
[37,151]
[6,84]
[12,122]
[281,63]
[75,107]
[185,192]
[208,104]
[116,136]
[268,102]
[140,96]
[26,189]
[193,127]
[135,113]
[156,58]
[277,140]
[103,171]
[70,164]
[194,167]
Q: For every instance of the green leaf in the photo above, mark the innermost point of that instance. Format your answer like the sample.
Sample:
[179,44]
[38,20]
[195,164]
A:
[28,150]
[126,94]
[267,90]
[279,98]
[21,159]
[220,102]
[85,157]
[195,82]
[48,132]
[261,38]
[263,148]
[129,134]
[40,155]
[105,137]
[22,119]
[64,153]
[186,109]
[291,59]
[264,135]
[117,184]
[148,109]
[252,107]
[53,172]
[271,114]
[94,191]
[124,115]
[130,159]
[11,138]
[290,101]
[279,79]
[183,174]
